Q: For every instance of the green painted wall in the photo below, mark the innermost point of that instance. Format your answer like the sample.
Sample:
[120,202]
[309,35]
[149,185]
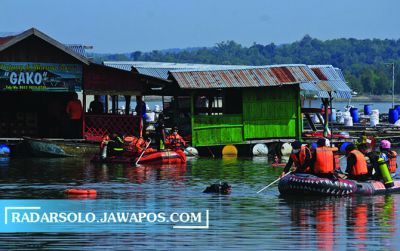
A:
[217,130]
[272,112]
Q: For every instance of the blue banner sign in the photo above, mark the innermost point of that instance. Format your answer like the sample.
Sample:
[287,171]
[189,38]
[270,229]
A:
[30,76]
[95,216]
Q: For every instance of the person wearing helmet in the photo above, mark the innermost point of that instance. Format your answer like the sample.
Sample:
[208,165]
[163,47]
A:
[301,157]
[174,141]
[323,160]
[388,155]
[371,158]
[356,164]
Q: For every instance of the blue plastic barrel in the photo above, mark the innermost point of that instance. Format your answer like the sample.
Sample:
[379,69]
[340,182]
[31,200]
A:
[393,116]
[397,107]
[354,114]
[367,110]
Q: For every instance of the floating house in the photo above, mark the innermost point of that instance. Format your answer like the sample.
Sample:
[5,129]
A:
[241,105]
[214,105]
[37,78]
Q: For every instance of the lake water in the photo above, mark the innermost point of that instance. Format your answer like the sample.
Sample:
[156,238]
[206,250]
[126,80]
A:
[243,220]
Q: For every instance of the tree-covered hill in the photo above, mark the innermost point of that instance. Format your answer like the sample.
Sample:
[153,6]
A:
[363,61]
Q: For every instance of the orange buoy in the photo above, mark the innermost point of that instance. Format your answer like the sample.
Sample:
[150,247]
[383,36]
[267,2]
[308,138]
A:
[80,191]
[230,150]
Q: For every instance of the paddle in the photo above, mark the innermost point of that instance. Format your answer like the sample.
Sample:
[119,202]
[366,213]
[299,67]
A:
[274,182]
[137,161]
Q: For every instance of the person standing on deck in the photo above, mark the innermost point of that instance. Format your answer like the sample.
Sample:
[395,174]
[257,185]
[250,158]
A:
[74,110]
[141,111]
[160,132]
[356,164]
[389,156]
[96,107]
[323,160]
[301,157]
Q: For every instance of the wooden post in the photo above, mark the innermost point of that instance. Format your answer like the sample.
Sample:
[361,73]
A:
[113,104]
[83,113]
[325,101]
[139,106]
[127,104]
[192,104]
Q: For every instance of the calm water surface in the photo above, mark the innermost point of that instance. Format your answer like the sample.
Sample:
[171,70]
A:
[243,220]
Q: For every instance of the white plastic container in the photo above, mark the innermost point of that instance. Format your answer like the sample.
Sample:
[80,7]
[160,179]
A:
[375,112]
[374,120]
[339,118]
[348,120]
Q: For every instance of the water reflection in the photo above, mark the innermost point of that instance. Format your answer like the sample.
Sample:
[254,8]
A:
[364,218]
[242,220]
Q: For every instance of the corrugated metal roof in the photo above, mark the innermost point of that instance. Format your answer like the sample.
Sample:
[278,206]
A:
[161,69]
[331,80]
[248,76]
[78,48]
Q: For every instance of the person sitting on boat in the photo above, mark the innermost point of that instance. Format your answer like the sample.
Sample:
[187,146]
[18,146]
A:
[323,160]
[277,160]
[115,145]
[377,167]
[129,143]
[371,158]
[174,141]
[356,164]
[301,157]
[389,156]
[111,145]
[141,145]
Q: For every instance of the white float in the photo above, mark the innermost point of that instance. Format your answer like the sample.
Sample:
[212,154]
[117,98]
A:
[260,149]
[286,149]
[191,151]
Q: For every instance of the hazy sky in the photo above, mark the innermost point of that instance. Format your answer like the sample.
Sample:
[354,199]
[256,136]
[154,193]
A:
[129,25]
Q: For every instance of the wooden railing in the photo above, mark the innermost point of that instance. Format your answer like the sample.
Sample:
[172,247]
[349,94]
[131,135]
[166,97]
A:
[95,126]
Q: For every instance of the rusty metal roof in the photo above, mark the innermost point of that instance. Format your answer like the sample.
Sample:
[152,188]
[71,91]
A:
[248,76]
[331,80]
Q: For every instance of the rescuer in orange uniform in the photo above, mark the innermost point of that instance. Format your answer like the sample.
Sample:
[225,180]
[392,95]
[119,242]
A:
[356,164]
[323,159]
[174,141]
[301,157]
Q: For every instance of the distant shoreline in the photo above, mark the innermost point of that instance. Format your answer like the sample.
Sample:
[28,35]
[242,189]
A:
[376,98]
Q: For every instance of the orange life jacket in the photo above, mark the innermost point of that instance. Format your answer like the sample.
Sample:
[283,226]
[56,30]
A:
[174,141]
[140,144]
[298,162]
[323,160]
[129,143]
[360,167]
[129,139]
[392,155]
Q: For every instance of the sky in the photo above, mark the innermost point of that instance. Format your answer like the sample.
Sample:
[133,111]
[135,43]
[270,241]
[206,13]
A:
[144,25]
